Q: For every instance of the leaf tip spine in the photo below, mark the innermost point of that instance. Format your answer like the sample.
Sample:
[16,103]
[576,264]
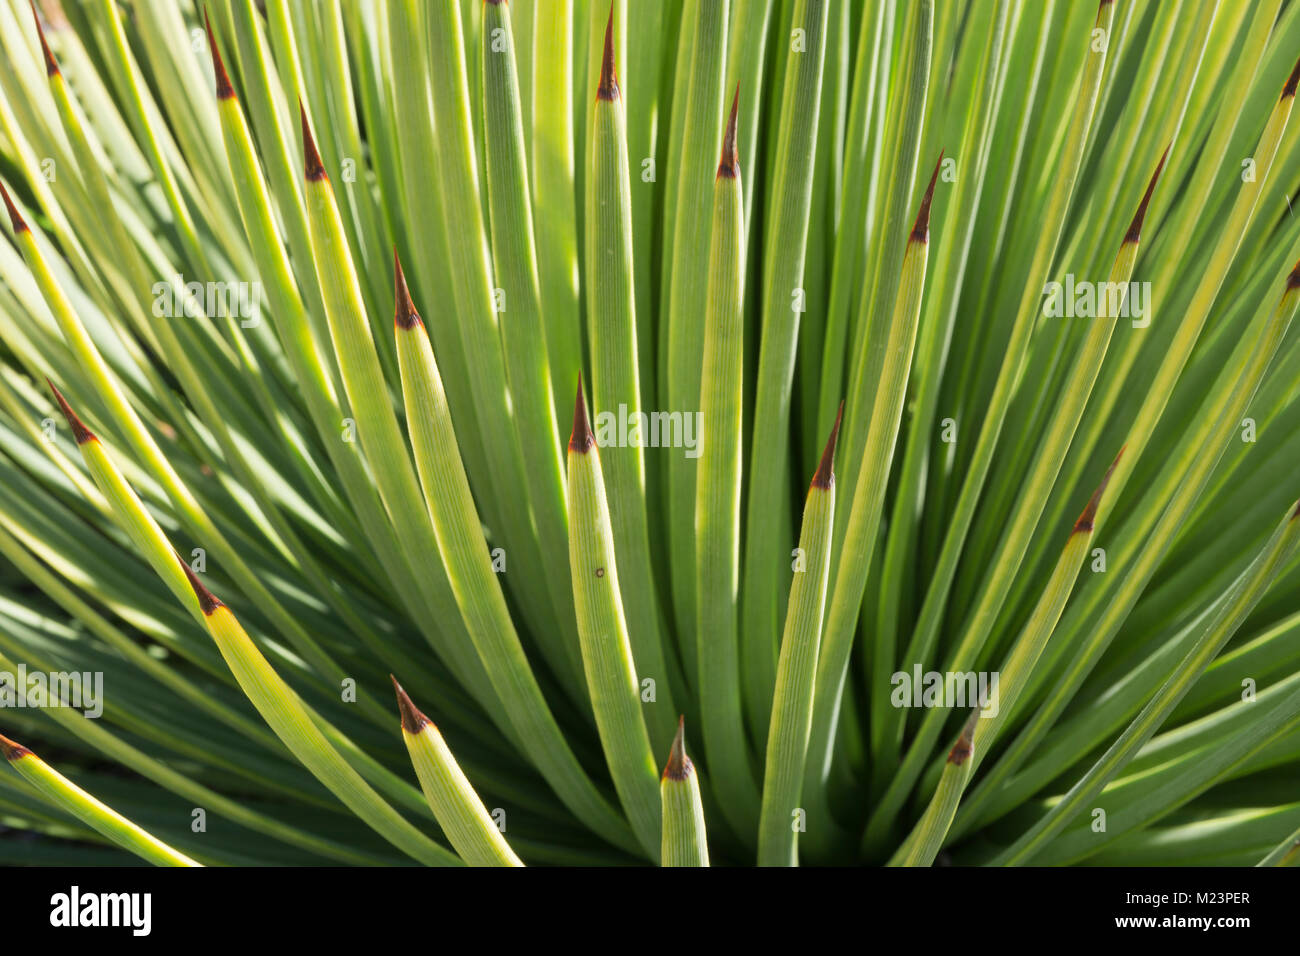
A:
[608,88]
[1135,227]
[581,439]
[12,750]
[312,166]
[1292,81]
[224,90]
[15,217]
[1089,515]
[729,164]
[413,720]
[679,766]
[921,228]
[404,314]
[51,64]
[1293,278]
[208,602]
[824,477]
[79,430]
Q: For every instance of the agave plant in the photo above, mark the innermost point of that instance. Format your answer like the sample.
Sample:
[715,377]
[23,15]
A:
[930,487]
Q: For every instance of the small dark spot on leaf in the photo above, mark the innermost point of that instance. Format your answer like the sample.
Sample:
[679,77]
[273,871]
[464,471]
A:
[600,572]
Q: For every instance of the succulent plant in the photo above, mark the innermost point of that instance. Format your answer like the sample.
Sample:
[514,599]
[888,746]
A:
[929,491]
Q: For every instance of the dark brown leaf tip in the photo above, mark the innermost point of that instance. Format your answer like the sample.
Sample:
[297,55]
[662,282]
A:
[1293,280]
[12,750]
[1135,228]
[208,602]
[729,164]
[79,430]
[51,64]
[1296,513]
[962,749]
[921,228]
[224,90]
[824,477]
[15,217]
[608,88]
[404,314]
[413,721]
[1090,510]
[312,166]
[581,438]
[1292,81]
[679,766]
